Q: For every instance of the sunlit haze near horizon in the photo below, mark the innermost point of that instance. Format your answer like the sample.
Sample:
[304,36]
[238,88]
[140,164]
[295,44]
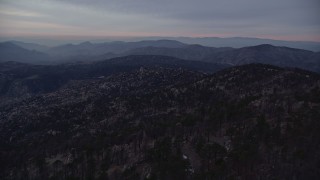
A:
[293,20]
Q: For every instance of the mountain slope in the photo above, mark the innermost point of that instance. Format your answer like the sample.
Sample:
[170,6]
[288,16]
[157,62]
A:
[12,52]
[190,52]
[97,49]
[240,42]
[24,80]
[31,46]
[267,54]
[247,122]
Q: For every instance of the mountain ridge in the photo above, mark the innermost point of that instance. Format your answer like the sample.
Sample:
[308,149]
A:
[245,121]
[264,53]
[18,80]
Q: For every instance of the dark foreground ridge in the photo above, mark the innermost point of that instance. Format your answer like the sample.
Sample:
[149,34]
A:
[247,122]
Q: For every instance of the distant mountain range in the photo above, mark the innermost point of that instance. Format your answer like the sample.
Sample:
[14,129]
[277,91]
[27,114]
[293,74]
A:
[12,52]
[88,52]
[234,42]
[239,42]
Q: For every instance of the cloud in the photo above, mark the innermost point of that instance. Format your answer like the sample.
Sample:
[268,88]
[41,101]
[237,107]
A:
[8,12]
[172,17]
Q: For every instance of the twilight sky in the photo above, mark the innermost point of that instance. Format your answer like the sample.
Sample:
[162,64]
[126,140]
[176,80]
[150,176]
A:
[274,19]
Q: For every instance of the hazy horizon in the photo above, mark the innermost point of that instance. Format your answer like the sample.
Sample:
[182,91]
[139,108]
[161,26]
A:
[51,42]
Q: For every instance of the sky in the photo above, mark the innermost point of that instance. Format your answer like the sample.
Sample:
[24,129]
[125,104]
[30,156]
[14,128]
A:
[294,20]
